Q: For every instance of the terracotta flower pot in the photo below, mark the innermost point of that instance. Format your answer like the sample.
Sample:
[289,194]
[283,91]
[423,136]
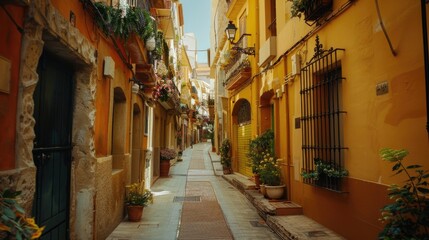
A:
[257,178]
[263,190]
[135,213]
[165,168]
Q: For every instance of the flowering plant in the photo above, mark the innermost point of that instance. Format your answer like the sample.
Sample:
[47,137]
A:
[258,147]
[138,195]
[161,69]
[168,153]
[269,170]
[13,222]
[163,91]
[323,168]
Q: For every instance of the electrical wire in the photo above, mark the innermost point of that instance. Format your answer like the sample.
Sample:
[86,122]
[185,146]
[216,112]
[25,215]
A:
[384,29]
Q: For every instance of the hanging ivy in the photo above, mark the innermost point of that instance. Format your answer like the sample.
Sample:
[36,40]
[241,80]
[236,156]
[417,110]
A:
[135,20]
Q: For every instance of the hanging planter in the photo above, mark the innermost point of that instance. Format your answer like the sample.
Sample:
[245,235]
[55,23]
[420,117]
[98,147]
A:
[312,9]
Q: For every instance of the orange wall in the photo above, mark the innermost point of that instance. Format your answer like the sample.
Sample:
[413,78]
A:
[353,214]
[105,47]
[10,48]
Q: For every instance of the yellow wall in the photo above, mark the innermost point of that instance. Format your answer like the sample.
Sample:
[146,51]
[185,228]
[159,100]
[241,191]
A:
[396,119]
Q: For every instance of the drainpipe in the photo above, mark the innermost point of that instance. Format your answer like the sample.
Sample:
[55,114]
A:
[288,145]
[426,57]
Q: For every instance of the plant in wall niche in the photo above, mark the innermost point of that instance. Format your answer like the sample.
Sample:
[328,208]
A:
[324,169]
[407,217]
[13,222]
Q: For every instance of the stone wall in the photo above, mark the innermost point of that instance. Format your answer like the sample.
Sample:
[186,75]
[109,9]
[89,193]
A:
[45,26]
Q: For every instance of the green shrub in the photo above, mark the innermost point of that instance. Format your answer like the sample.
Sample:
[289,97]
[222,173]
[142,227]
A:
[407,217]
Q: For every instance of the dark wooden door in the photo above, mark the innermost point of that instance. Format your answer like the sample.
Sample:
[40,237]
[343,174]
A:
[52,146]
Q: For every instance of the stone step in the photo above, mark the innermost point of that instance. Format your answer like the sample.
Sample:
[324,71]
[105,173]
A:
[286,208]
[239,181]
[300,227]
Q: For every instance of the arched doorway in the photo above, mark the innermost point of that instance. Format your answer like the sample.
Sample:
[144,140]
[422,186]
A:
[137,164]
[243,132]
[118,130]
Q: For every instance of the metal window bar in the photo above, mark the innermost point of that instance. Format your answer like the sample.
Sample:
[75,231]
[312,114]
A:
[321,110]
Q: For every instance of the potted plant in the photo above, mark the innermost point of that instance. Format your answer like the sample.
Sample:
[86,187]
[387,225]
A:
[13,222]
[257,148]
[269,171]
[324,173]
[312,9]
[166,155]
[225,156]
[136,199]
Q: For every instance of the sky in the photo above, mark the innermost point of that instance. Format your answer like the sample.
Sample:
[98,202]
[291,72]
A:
[197,20]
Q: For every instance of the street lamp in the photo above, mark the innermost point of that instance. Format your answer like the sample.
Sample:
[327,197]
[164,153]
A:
[230,32]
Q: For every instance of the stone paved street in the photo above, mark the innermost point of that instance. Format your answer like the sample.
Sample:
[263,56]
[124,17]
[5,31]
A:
[196,203]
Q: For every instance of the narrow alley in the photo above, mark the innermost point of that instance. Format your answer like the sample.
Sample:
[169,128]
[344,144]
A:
[195,202]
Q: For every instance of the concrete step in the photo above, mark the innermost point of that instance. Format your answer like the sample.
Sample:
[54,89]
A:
[283,217]
[267,207]
[300,227]
[239,181]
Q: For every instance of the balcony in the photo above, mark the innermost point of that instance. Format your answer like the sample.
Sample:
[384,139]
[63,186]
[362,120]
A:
[145,74]
[137,49]
[234,8]
[267,51]
[237,72]
[165,21]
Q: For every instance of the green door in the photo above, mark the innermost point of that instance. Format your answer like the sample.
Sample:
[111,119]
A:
[52,145]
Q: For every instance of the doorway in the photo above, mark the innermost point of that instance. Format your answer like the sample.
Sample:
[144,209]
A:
[53,113]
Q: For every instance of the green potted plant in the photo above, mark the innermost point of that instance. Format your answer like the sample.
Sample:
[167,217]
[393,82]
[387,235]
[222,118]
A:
[136,199]
[225,156]
[312,9]
[13,222]
[324,173]
[257,148]
[270,174]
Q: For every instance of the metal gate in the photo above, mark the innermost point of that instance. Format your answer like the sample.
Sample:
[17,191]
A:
[52,145]
[244,133]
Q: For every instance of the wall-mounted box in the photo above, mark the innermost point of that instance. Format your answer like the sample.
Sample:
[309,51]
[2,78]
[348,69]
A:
[5,68]
[109,67]
[296,64]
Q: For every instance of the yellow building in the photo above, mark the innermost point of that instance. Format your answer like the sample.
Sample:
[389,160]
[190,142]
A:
[331,88]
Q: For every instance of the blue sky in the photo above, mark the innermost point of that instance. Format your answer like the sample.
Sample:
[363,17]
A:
[197,20]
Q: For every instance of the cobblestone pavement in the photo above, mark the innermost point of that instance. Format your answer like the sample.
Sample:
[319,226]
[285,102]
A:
[196,203]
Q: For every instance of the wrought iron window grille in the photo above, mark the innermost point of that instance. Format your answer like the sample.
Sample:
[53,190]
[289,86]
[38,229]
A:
[322,116]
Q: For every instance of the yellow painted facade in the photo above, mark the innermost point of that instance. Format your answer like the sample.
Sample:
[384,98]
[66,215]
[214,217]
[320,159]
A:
[396,119]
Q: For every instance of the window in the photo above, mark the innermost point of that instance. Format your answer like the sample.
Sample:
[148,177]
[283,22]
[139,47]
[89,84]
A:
[322,117]
[242,28]
[270,18]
